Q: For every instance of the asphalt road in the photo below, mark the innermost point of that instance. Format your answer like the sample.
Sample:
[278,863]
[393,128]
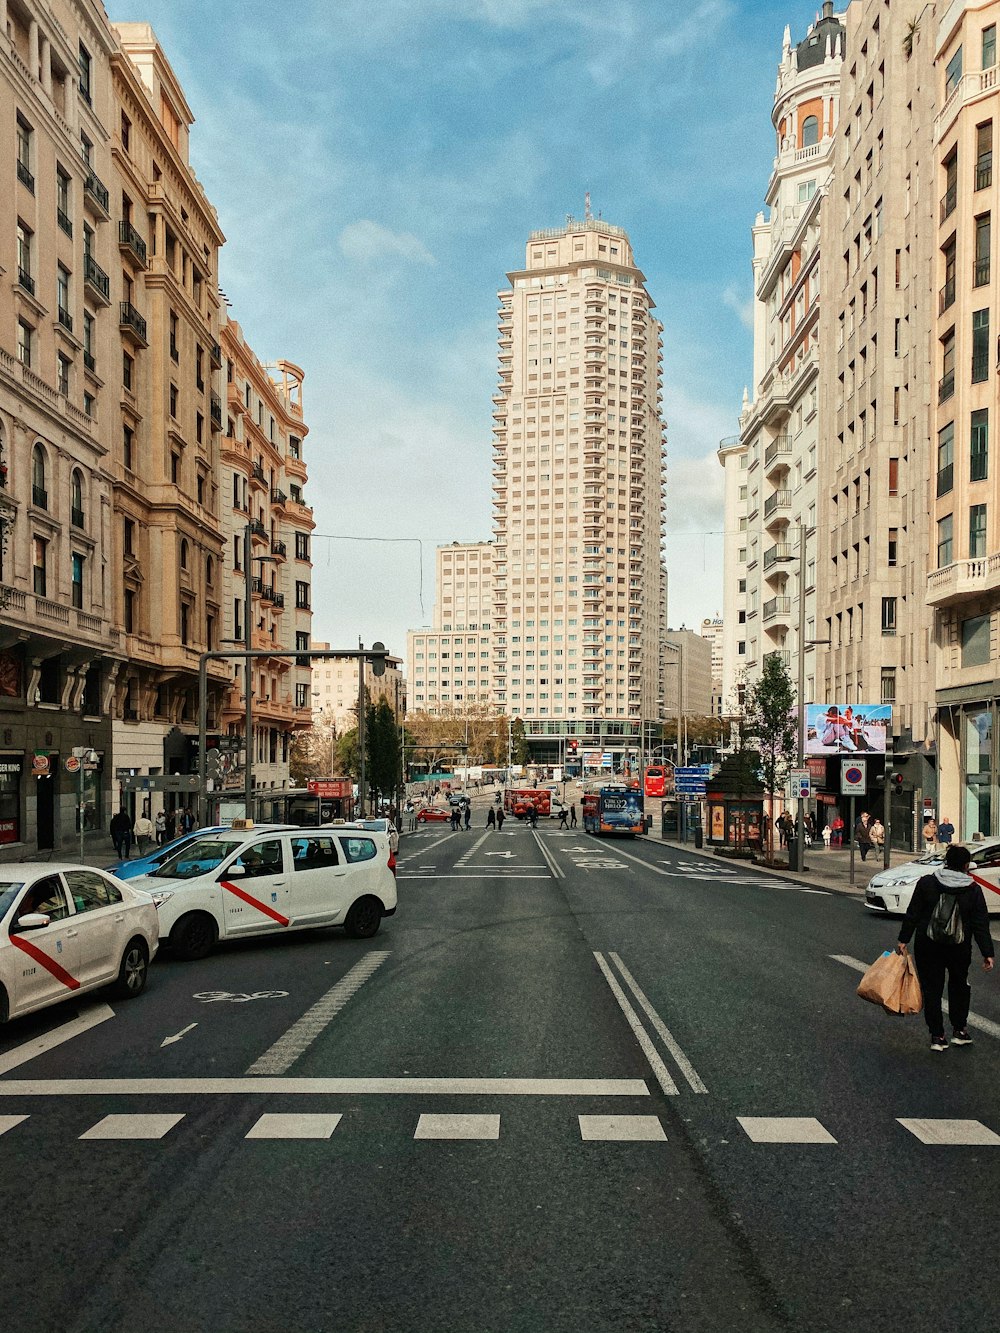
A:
[536,1101]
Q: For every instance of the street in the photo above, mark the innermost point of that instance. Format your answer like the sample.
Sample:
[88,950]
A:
[574,1084]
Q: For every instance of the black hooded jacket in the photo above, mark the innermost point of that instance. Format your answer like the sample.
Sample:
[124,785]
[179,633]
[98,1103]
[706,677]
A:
[971,907]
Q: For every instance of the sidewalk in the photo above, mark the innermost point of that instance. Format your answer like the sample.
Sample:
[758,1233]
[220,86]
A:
[823,869]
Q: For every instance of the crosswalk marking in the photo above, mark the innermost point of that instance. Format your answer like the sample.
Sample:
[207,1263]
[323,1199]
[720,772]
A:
[458,1127]
[621,1129]
[132,1127]
[297,1125]
[9,1121]
[952,1133]
[784,1129]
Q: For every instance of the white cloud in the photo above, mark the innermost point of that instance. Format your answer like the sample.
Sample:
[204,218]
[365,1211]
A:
[742,306]
[367,242]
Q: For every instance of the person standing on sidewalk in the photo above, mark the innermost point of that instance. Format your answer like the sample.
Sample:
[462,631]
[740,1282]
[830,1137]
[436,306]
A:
[952,954]
[863,833]
[946,831]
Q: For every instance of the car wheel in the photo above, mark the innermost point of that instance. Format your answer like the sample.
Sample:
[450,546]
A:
[194,936]
[364,919]
[133,971]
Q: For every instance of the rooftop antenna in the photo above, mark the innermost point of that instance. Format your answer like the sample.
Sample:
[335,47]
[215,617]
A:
[587,215]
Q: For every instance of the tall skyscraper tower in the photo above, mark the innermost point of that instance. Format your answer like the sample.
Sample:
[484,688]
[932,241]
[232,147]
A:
[579,585]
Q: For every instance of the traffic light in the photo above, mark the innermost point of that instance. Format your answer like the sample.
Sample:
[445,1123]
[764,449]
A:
[896,782]
[378,662]
[573,747]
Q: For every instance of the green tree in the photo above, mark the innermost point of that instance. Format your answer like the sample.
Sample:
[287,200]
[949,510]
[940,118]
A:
[383,759]
[771,721]
[520,754]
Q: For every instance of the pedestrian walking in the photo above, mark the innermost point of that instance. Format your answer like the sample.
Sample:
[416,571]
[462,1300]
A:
[187,820]
[779,824]
[946,831]
[930,835]
[947,911]
[572,816]
[564,818]
[468,816]
[455,819]
[810,826]
[863,834]
[171,825]
[161,828]
[144,831]
[500,818]
[120,829]
[491,818]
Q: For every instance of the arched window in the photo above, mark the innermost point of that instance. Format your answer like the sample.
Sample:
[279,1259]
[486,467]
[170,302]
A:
[209,570]
[810,131]
[39,495]
[184,554]
[76,498]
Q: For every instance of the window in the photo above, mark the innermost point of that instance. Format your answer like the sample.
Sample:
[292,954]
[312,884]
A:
[979,445]
[25,135]
[302,546]
[128,536]
[39,494]
[976,641]
[301,696]
[24,277]
[981,267]
[888,685]
[946,386]
[25,342]
[888,615]
[984,155]
[893,476]
[89,403]
[806,191]
[302,595]
[184,553]
[175,354]
[990,46]
[62,297]
[810,131]
[175,469]
[892,548]
[128,439]
[88,341]
[39,565]
[315,853]
[977,530]
[945,530]
[358,849]
[76,498]
[128,371]
[173,400]
[185,623]
[86,74]
[950,185]
[953,73]
[63,364]
[130,610]
[76,562]
[126,132]
[946,458]
[980,346]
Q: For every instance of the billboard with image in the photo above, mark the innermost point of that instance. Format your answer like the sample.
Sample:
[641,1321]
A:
[847,728]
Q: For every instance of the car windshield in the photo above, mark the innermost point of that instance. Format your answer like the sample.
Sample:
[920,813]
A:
[197,858]
[8,892]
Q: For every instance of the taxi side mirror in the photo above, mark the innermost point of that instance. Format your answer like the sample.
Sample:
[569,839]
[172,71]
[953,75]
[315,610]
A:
[233,872]
[31,921]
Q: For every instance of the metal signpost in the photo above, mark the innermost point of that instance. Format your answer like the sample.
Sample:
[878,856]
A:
[852,783]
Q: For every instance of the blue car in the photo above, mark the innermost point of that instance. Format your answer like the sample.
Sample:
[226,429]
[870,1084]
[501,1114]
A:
[145,865]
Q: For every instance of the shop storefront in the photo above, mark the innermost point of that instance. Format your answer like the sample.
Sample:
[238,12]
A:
[11,771]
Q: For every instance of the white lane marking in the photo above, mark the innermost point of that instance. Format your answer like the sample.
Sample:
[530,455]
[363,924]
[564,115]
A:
[661,1029]
[621,1129]
[178,1036]
[784,1129]
[301,1035]
[430,846]
[474,848]
[639,1032]
[820,893]
[88,1019]
[976,1021]
[325,1087]
[648,865]
[548,858]
[8,1122]
[132,1127]
[506,855]
[457,1127]
[483,875]
[298,1125]
[953,1133]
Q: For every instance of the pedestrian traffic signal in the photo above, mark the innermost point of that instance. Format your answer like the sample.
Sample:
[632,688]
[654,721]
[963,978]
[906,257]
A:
[896,782]
[573,746]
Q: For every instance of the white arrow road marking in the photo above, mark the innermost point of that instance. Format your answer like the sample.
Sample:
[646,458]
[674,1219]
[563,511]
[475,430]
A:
[975,1020]
[88,1019]
[508,855]
[178,1036]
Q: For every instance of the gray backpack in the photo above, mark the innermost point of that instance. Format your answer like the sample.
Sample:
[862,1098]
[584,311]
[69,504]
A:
[945,925]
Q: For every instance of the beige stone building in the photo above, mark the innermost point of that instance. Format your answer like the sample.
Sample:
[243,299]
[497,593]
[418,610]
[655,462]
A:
[579,588]
[713,629]
[448,663]
[60,645]
[734,457]
[963,585]
[335,689]
[262,475]
[689,670]
[879,239]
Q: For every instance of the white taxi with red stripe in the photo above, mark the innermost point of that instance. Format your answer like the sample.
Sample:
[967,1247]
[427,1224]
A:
[890,890]
[66,929]
[261,881]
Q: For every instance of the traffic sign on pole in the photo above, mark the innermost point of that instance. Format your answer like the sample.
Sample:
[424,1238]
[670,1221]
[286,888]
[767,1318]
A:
[853,778]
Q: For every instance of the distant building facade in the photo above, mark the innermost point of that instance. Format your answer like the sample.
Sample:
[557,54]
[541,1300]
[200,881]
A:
[449,662]
[335,689]
[713,629]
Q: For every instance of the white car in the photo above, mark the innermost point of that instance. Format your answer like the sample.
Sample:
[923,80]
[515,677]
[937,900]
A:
[375,824]
[259,882]
[890,890]
[66,929]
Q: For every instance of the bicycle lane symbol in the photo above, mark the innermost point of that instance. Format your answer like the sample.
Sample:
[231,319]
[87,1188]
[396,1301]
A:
[237,997]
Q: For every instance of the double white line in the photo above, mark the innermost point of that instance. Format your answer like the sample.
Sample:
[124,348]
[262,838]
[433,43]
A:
[657,1065]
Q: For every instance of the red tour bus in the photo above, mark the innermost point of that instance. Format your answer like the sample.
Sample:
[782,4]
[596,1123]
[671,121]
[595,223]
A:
[655,780]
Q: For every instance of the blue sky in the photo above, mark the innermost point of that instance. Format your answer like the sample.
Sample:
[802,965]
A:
[377,168]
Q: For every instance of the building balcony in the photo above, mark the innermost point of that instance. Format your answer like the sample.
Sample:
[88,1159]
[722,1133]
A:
[278,497]
[96,197]
[777,508]
[776,608]
[778,452]
[25,176]
[946,386]
[964,580]
[96,280]
[131,244]
[215,355]
[774,554]
[946,296]
[215,410]
[132,324]
[949,201]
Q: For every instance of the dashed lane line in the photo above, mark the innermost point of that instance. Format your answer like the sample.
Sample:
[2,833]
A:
[301,1035]
[464,858]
